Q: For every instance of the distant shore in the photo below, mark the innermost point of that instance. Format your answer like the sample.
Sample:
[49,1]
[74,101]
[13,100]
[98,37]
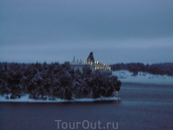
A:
[144,78]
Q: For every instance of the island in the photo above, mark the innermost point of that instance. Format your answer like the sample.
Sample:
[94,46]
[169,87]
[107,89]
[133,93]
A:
[55,82]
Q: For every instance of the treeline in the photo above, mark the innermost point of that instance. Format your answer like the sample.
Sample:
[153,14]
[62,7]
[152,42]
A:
[42,81]
[160,68]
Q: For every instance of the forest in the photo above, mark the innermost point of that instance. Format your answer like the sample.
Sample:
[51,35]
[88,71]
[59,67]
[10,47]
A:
[157,69]
[54,80]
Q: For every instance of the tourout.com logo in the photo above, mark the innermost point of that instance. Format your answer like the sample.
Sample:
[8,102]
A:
[85,124]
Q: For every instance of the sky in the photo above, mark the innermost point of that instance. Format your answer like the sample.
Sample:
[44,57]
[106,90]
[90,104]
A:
[115,31]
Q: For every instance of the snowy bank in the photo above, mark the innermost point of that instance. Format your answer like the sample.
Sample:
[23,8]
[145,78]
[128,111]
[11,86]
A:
[25,98]
[143,77]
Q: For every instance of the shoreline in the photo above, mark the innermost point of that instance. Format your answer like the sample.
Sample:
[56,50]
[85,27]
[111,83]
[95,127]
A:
[143,78]
[26,99]
[149,82]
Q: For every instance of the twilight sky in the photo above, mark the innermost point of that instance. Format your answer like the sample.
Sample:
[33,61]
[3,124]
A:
[114,30]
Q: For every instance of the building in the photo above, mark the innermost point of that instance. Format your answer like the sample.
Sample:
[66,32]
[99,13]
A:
[94,65]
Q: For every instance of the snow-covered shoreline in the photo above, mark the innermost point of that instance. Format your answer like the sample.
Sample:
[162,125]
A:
[143,77]
[25,98]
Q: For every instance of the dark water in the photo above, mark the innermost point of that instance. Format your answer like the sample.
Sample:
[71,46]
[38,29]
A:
[143,107]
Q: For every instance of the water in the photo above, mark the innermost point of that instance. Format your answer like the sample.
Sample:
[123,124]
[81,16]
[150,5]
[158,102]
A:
[142,107]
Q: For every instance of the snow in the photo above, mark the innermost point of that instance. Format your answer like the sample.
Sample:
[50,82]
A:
[25,98]
[143,77]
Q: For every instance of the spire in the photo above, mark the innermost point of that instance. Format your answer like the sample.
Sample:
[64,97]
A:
[90,57]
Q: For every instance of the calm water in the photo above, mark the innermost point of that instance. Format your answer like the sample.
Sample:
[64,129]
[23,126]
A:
[143,107]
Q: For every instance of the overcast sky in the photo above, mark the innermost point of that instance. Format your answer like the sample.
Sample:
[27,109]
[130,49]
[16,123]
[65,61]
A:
[114,30]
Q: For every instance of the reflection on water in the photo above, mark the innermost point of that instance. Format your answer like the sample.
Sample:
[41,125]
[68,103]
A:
[142,107]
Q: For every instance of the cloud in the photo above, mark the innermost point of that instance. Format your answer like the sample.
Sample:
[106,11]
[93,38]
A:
[48,30]
[113,51]
[56,20]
